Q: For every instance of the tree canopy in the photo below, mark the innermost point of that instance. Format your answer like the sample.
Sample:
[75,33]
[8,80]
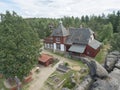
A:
[115,42]
[104,26]
[20,38]
[19,46]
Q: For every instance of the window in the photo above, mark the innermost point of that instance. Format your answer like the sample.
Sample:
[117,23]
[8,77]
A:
[88,52]
[51,46]
[58,46]
[45,45]
[48,46]
[57,39]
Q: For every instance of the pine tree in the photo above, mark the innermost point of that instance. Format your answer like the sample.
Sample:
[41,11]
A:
[19,46]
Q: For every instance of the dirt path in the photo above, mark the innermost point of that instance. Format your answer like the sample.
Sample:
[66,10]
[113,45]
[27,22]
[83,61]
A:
[41,77]
[45,72]
[63,59]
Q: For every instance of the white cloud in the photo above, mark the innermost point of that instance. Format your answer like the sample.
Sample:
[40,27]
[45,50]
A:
[60,8]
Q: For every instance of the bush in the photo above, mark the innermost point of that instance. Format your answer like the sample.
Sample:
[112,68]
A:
[69,84]
[66,64]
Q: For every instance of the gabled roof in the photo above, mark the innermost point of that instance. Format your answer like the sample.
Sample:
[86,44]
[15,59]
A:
[77,48]
[94,44]
[44,58]
[79,35]
[60,31]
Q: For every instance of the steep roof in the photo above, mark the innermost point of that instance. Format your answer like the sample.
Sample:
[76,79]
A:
[79,35]
[94,44]
[60,31]
[44,57]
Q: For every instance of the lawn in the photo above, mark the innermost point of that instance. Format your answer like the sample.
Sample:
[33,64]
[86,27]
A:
[102,54]
[79,62]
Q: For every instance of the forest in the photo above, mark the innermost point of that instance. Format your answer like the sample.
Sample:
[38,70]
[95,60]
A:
[20,37]
[106,27]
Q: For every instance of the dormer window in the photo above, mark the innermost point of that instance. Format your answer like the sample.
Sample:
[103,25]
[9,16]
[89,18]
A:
[58,39]
[91,38]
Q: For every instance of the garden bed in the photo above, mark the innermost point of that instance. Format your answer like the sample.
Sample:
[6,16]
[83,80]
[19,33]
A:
[57,80]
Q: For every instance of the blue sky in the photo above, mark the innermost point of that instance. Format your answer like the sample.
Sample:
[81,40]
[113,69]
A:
[59,8]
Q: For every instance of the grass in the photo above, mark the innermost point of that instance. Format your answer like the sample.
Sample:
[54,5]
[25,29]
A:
[55,61]
[25,86]
[102,54]
[60,54]
[71,59]
[61,77]
[79,62]
[100,57]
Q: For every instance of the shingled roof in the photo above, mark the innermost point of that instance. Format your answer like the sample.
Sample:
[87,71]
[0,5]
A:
[60,31]
[79,35]
[94,44]
[77,48]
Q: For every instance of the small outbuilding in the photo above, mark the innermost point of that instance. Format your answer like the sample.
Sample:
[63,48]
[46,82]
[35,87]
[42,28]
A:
[45,59]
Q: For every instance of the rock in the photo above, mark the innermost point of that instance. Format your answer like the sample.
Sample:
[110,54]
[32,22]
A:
[101,71]
[105,84]
[96,70]
[110,62]
[86,83]
[73,80]
[65,89]
[111,56]
[83,70]
[111,83]
[73,75]
[116,74]
[117,65]
[115,53]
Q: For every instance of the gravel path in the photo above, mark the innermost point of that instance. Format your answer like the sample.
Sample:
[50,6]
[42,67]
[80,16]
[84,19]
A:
[63,59]
[41,77]
[45,72]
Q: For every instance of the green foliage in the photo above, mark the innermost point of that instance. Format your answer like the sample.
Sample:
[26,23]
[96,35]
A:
[115,20]
[115,42]
[19,46]
[101,56]
[66,64]
[103,26]
[43,26]
[106,32]
[19,42]
[69,84]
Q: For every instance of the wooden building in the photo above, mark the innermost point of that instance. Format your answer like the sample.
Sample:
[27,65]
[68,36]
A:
[75,41]
[45,59]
